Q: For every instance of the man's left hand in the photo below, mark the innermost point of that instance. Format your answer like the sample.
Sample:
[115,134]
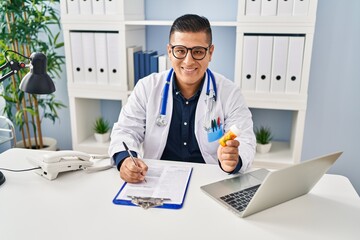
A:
[229,155]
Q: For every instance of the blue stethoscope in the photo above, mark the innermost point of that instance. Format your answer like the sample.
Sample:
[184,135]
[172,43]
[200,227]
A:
[210,100]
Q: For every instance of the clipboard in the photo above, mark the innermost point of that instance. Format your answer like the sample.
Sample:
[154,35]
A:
[165,187]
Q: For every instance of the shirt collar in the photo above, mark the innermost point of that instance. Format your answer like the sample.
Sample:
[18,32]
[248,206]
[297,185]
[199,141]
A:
[176,90]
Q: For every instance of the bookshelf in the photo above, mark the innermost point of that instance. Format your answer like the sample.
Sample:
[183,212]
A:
[145,23]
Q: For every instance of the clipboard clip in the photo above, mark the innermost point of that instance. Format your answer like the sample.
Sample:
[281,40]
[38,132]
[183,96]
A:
[147,202]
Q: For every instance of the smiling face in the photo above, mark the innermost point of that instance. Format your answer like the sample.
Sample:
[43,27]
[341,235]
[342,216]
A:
[189,71]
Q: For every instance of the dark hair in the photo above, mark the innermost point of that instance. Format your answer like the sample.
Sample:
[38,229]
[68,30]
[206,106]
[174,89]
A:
[192,23]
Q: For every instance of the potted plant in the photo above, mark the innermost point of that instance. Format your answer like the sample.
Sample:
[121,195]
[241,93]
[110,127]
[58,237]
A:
[101,128]
[263,139]
[25,27]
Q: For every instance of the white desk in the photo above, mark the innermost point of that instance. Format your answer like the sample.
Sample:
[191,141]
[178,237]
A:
[78,205]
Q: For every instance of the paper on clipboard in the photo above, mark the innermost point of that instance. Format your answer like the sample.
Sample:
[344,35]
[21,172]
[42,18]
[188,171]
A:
[168,182]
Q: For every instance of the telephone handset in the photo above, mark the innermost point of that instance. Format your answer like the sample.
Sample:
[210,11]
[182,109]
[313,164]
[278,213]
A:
[52,163]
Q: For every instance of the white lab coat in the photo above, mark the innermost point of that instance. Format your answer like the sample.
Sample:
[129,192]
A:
[137,126]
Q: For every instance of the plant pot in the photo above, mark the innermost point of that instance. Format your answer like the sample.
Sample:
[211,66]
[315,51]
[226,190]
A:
[263,148]
[101,138]
[50,144]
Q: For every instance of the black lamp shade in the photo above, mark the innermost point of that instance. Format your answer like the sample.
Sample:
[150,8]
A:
[37,81]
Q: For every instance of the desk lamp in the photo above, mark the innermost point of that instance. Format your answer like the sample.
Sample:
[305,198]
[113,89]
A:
[37,81]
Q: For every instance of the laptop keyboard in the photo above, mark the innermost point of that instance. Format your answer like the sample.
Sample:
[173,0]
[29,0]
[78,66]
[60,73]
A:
[239,200]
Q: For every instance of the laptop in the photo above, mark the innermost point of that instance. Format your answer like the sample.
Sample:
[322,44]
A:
[249,193]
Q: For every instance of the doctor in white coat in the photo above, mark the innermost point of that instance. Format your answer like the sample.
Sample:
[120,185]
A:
[180,114]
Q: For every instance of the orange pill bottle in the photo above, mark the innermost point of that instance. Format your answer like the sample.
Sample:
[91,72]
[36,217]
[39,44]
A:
[230,135]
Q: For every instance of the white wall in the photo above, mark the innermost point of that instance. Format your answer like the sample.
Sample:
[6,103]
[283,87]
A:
[333,114]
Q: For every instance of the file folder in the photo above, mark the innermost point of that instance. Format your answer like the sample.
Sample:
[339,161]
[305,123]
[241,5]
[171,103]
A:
[85,7]
[73,6]
[113,51]
[111,7]
[88,43]
[253,7]
[101,58]
[279,64]
[295,61]
[264,60]
[77,57]
[285,7]
[131,65]
[301,7]
[249,61]
[268,7]
[154,63]
[168,183]
[98,7]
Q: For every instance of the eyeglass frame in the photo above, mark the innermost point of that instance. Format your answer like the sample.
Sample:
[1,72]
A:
[187,51]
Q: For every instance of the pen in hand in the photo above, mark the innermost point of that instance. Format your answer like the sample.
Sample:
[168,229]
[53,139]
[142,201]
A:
[131,156]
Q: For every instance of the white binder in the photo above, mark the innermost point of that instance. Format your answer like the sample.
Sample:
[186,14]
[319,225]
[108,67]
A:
[130,64]
[264,59]
[279,64]
[85,7]
[88,43]
[111,7]
[285,7]
[98,7]
[77,63]
[113,58]
[73,6]
[248,75]
[101,58]
[253,7]
[268,7]
[295,61]
[301,7]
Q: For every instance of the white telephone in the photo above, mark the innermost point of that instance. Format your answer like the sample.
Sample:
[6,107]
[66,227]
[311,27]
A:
[52,163]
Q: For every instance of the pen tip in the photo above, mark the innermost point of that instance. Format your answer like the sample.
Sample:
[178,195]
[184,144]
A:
[125,146]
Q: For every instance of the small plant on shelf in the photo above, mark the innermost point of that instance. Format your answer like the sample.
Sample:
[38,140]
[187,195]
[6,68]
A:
[101,128]
[263,139]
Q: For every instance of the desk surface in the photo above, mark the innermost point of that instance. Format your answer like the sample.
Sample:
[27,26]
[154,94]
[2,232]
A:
[78,205]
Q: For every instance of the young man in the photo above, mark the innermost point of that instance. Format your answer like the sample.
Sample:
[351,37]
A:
[197,107]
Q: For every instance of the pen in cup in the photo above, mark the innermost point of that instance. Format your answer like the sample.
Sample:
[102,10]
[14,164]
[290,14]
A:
[131,156]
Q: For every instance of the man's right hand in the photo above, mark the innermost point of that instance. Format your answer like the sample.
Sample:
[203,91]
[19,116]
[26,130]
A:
[131,173]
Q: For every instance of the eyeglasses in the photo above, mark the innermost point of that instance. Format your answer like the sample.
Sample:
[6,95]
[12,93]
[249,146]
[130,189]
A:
[180,52]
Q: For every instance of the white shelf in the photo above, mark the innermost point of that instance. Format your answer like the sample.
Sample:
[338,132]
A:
[130,24]
[280,156]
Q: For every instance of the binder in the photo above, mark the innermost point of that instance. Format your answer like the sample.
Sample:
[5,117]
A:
[85,7]
[162,60]
[111,7]
[301,7]
[73,6]
[248,77]
[295,59]
[268,7]
[264,59]
[279,64]
[142,65]
[137,57]
[147,57]
[154,63]
[113,51]
[88,43]
[101,58]
[165,187]
[285,7]
[77,64]
[98,7]
[253,7]
[131,65]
